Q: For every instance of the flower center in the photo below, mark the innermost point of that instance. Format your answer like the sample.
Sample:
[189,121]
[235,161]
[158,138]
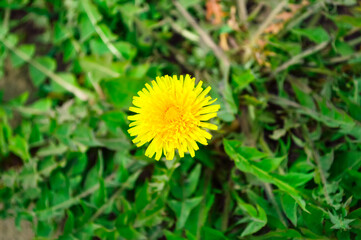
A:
[172,114]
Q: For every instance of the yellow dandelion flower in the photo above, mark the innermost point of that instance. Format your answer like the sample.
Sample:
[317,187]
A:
[171,115]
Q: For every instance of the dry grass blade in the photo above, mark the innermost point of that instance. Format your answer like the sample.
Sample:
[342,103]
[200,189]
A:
[206,38]
[242,11]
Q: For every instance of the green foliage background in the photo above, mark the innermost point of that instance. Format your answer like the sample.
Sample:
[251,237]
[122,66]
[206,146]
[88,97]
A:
[284,164]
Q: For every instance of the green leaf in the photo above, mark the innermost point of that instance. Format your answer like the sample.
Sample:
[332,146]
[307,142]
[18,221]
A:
[94,174]
[297,179]
[99,70]
[27,49]
[317,35]
[44,229]
[183,208]
[228,105]
[69,224]
[232,148]
[138,71]
[189,3]
[57,181]
[269,164]
[69,50]
[258,217]
[114,120]
[198,216]
[100,196]
[19,146]
[339,222]
[326,163]
[29,177]
[119,90]
[130,233]
[256,224]
[352,20]
[192,181]
[343,48]
[345,2]
[241,81]
[107,32]
[91,11]
[330,116]
[79,164]
[51,150]
[172,236]
[345,161]
[303,97]
[142,197]
[251,153]
[289,206]
[98,47]
[85,136]
[68,78]
[5,134]
[12,39]
[127,50]
[212,234]
[129,13]
[290,47]
[86,28]
[60,32]
[37,76]
[313,220]
[102,30]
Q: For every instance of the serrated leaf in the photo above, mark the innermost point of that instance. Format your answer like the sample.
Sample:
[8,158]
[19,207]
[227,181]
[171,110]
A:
[244,165]
[339,222]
